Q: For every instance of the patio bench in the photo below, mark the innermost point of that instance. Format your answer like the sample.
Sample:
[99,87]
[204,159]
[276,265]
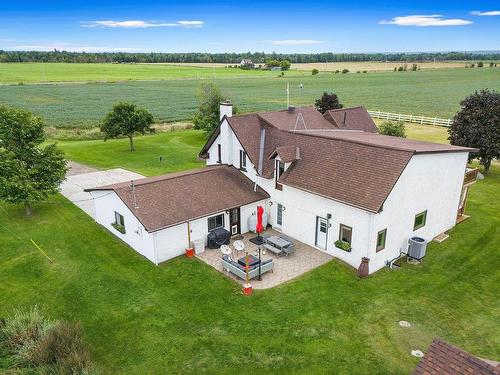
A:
[272,249]
[239,270]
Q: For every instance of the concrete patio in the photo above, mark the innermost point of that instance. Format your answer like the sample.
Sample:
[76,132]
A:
[286,268]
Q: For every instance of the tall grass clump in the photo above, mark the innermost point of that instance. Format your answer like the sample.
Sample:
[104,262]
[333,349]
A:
[31,343]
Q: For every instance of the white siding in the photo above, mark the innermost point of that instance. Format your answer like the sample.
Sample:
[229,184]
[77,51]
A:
[431,182]
[106,203]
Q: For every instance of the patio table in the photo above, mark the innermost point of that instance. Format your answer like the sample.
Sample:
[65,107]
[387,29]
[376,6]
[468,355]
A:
[278,242]
[252,261]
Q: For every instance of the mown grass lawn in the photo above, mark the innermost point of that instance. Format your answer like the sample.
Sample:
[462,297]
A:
[178,149]
[184,317]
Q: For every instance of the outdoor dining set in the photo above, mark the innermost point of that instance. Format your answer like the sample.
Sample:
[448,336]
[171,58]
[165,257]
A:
[250,266]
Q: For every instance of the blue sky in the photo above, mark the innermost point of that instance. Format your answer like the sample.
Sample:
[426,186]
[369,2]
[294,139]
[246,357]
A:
[253,25]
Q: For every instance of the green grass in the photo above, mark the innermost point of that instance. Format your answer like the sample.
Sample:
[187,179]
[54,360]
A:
[178,150]
[184,317]
[61,72]
[429,133]
[426,92]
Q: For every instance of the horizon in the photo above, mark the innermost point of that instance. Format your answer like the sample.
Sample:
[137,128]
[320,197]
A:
[239,27]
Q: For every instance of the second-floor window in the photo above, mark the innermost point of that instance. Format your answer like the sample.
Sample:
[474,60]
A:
[243,160]
[280,168]
[219,154]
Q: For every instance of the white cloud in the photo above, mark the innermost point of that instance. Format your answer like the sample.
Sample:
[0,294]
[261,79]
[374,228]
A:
[292,42]
[489,13]
[425,20]
[131,24]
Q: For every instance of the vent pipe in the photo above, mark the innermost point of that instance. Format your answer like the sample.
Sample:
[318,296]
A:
[345,115]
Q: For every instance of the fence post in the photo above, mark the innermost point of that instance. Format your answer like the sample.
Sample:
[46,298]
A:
[434,121]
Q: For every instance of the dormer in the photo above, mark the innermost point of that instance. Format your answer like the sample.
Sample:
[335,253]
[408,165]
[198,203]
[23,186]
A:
[284,157]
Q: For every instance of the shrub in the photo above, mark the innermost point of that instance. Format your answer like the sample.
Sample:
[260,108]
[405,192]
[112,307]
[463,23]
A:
[314,71]
[32,344]
[364,71]
[395,69]
[480,64]
[392,128]
[400,69]
[414,67]
[337,71]
[344,71]
[342,245]
[492,64]
[472,65]
[358,72]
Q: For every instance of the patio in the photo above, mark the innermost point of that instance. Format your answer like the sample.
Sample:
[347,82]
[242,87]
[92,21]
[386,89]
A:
[286,268]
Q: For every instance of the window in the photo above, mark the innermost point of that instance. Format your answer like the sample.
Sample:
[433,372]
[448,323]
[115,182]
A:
[215,222]
[219,154]
[119,220]
[381,239]
[345,233]
[243,160]
[279,214]
[420,220]
[119,223]
[280,168]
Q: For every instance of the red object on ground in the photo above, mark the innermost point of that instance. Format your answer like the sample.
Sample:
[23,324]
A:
[259,228]
[190,252]
[247,289]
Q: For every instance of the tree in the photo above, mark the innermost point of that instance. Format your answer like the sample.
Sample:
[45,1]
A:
[285,65]
[314,71]
[207,116]
[126,119]
[395,129]
[477,125]
[480,64]
[29,173]
[327,101]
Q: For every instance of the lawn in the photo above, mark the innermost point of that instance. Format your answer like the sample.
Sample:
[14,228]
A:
[184,317]
[178,151]
[426,92]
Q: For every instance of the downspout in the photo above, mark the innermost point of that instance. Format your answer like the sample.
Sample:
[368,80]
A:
[261,156]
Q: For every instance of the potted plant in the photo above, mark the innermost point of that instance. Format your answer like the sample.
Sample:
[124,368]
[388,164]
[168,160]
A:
[343,245]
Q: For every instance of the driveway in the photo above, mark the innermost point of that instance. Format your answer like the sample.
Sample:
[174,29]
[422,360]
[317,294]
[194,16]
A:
[80,177]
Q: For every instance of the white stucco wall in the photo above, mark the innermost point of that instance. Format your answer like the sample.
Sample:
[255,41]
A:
[106,203]
[164,244]
[431,182]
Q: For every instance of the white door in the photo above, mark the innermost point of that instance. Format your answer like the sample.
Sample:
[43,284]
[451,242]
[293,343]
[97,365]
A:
[279,215]
[321,232]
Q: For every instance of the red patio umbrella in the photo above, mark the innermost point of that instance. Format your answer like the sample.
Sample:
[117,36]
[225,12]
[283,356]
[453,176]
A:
[259,228]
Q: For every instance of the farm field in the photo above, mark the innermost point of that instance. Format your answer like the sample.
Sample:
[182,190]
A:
[425,92]
[185,317]
[69,72]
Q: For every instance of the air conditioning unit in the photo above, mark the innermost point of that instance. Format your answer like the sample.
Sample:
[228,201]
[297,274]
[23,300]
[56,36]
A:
[417,247]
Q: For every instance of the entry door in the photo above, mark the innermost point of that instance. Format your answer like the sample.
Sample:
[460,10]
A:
[321,232]
[234,220]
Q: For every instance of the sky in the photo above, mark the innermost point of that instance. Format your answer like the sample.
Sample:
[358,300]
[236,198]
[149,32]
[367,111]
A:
[253,25]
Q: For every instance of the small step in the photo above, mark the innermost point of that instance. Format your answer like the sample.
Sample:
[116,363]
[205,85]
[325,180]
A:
[441,237]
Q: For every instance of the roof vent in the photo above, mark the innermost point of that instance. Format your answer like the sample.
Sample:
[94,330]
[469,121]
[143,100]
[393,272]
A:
[297,153]
[291,108]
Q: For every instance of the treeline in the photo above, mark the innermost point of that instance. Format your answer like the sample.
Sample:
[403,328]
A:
[232,58]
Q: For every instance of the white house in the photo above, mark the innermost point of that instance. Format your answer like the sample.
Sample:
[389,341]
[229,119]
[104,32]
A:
[320,178]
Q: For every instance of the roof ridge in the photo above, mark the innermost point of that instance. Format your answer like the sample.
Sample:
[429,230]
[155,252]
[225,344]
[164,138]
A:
[174,175]
[345,109]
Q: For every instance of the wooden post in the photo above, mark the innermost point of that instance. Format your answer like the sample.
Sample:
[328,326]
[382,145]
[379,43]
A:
[189,235]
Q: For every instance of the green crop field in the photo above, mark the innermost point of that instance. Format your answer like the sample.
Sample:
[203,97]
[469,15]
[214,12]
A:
[61,72]
[429,92]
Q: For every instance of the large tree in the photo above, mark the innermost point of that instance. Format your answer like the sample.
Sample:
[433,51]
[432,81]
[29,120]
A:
[207,116]
[126,119]
[29,173]
[477,125]
[327,101]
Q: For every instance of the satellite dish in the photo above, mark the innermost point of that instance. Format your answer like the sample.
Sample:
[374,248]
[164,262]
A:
[239,245]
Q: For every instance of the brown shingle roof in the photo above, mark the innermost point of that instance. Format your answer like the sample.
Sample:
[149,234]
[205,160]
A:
[287,154]
[443,358]
[351,166]
[356,118]
[171,199]
[299,119]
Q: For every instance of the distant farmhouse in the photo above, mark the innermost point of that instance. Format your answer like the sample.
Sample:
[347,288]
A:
[329,181]
[247,63]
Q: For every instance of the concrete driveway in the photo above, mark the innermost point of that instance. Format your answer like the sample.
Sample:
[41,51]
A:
[80,177]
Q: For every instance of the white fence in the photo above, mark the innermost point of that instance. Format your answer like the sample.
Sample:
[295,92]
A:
[411,118]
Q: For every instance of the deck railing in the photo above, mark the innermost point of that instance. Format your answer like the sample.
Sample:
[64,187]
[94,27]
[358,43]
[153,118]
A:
[411,118]
[470,176]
